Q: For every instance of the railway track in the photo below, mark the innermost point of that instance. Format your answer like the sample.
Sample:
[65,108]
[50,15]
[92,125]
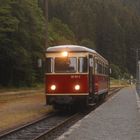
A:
[43,128]
[44,125]
[113,90]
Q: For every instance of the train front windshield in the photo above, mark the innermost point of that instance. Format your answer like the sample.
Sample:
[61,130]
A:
[65,65]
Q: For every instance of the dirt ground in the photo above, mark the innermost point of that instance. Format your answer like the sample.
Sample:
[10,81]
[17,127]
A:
[16,110]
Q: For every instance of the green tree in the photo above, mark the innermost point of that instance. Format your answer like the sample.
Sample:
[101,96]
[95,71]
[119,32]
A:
[88,43]
[115,71]
[59,33]
[21,41]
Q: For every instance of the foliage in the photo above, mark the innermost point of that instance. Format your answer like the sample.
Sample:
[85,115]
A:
[21,41]
[88,43]
[59,33]
[115,71]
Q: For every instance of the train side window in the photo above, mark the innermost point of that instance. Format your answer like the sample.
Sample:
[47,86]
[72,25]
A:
[82,64]
[105,70]
[98,67]
[49,68]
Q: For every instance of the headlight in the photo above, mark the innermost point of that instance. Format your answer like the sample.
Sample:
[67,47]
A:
[65,54]
[77,87]
[53,87]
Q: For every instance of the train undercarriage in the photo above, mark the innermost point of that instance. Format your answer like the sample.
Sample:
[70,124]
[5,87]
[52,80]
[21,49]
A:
[73,101]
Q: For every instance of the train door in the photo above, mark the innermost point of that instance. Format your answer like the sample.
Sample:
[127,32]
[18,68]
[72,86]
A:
[91,76]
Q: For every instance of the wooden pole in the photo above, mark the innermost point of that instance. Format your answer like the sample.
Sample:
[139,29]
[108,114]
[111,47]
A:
[46,16]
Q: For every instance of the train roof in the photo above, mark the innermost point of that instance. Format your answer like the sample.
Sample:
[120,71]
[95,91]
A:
[72,48]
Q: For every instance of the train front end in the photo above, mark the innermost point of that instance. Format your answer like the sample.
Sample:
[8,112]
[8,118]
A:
[66,78]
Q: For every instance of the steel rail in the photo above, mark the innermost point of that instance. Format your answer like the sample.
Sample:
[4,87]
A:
[46,134]
[21,127]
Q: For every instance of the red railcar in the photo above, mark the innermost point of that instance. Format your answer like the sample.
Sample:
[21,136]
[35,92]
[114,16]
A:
[75,75]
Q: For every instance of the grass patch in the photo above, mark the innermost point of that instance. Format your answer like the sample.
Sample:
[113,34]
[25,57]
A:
[34,87]
[119,82]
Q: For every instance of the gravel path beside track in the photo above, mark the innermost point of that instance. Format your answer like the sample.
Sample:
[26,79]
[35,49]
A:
[16,110]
